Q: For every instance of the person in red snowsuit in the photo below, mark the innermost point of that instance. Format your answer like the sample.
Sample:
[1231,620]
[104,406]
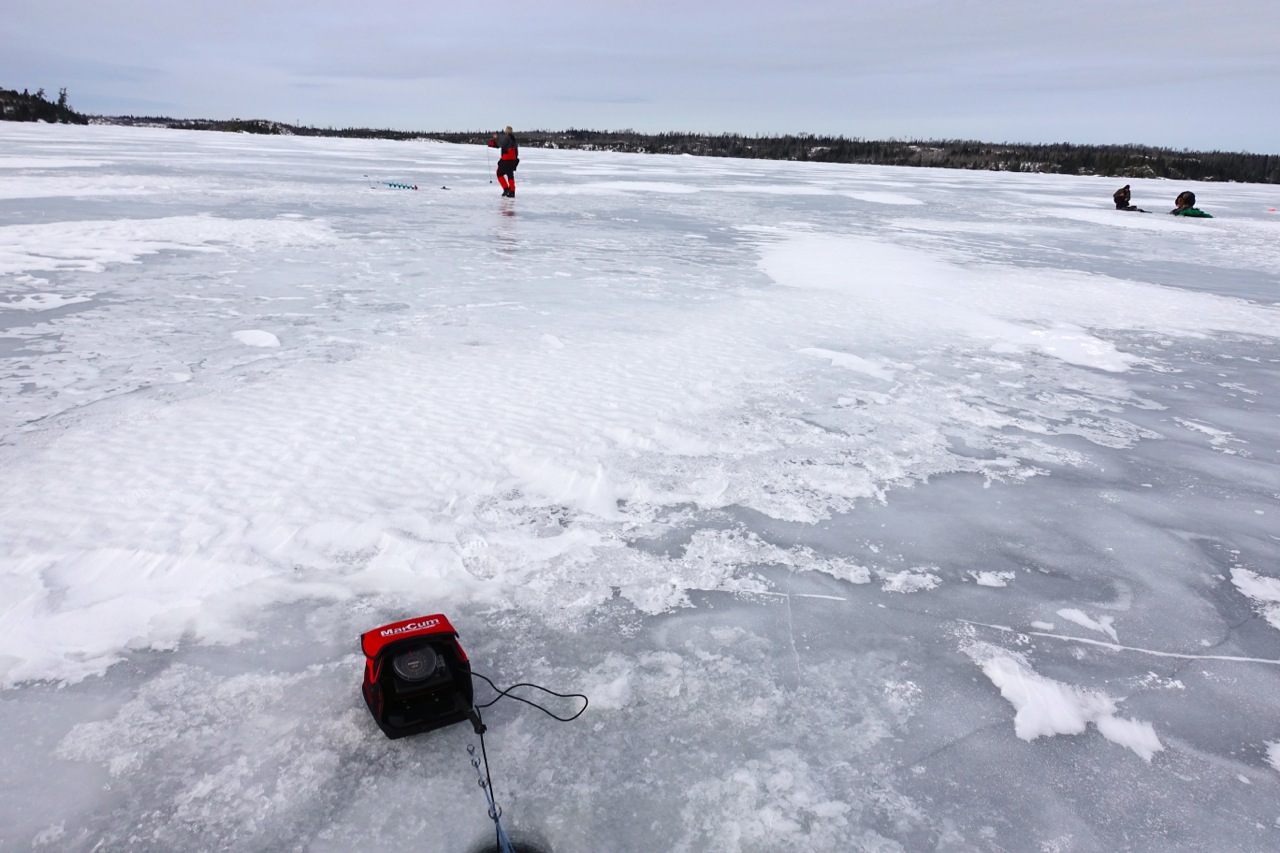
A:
[507,160]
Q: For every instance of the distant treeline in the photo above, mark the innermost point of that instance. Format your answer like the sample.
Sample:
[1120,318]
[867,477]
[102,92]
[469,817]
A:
[1132,161]
[263,126]
[1127,161]
[24,106]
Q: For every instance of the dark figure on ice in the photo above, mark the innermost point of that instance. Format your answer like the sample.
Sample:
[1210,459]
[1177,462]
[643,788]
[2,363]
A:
[1121,197]
[1185,205]
[507,160]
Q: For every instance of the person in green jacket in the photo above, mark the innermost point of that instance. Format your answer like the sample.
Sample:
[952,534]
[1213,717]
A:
[1185,205]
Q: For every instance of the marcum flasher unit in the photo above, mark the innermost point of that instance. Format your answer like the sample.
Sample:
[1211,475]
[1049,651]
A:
[416,676]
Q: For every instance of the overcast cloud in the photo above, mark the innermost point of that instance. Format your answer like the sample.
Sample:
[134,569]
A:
[1181,73]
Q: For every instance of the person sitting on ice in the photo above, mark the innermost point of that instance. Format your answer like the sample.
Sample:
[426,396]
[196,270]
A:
[1121,198]
[1185,205]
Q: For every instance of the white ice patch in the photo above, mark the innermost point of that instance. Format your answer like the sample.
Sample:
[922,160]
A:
[1067,342]
[992,578]
[884,198]
[610,684]
[12,162]
[1119,219]
[722,560]
[712,557]
[1273,755]
[1262,590]
[902,697]
[1044,707]
[1154,681]
[1103,624]
[40,301]
[61,184]
[75,614]
[621,187]
[849,362]
[917,579]
[256,338]
[1220,439]
[92,245]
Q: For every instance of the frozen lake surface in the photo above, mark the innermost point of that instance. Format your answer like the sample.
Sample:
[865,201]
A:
[874,509]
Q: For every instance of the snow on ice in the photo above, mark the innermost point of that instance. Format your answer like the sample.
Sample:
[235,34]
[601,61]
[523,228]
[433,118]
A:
[1046,707]
[1263,591]
[1102,623]
[764,457]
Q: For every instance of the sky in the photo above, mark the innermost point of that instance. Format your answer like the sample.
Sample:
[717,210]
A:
[1176,73]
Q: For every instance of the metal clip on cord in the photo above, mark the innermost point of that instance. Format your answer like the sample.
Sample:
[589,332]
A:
[495,813]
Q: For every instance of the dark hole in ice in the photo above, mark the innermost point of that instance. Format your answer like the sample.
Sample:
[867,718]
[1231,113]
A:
[523,846]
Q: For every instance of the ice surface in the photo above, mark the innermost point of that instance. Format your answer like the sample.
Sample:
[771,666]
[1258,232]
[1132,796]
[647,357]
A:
[875,509]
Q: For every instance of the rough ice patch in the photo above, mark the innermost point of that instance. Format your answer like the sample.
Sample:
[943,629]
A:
[40,301]
[1102,624]
[92,245]
[81,185]
[1067,342]
[717,559]
[773,803]
[224,756]
[992,578]
[1220,439]
[610,684]
[1262,590]
[256,338]
[1044,707]
[884,198]
[723,560]
[49,163]
[1154,681]
[622,187]
[915,579]
[849,362]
